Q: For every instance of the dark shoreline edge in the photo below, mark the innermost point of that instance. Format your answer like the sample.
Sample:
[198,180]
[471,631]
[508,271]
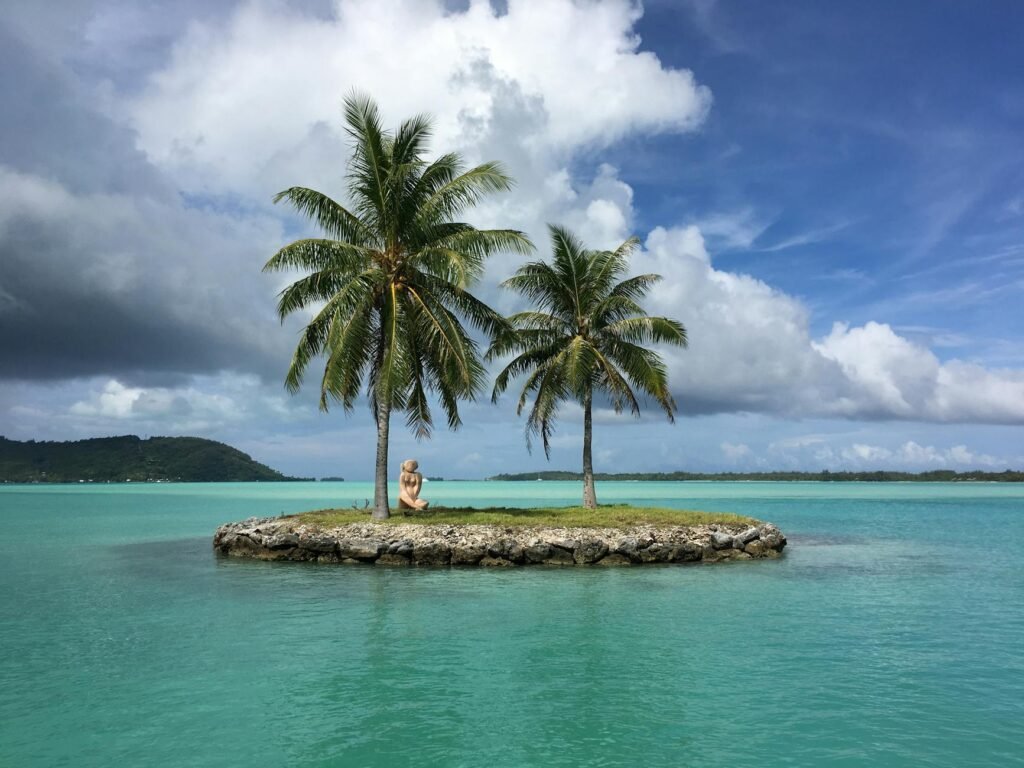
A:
[274,538]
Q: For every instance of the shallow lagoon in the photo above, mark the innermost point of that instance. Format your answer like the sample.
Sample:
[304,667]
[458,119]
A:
[892,632]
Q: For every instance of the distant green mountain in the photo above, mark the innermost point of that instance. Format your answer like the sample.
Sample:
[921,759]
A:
[120,459]
[933,476]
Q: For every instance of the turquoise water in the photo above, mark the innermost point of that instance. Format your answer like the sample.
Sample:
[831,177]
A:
[891,633]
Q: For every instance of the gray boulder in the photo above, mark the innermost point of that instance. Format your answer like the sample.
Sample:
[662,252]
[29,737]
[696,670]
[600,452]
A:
[538,553]
[465,553]
[687,552]
[755,548]
[282,541]
[772,537]
[360,549]
[629,547]
[317,542]
[589,551]
[402,547]
[656,553]
[559,556]
[721,540]
[432,553]
[749,535]
[507,549]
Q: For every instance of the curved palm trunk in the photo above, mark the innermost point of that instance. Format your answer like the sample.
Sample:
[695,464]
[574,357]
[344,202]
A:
[589,492]
[381,508]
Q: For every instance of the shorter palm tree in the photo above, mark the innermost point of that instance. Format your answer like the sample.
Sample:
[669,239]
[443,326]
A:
[587,335]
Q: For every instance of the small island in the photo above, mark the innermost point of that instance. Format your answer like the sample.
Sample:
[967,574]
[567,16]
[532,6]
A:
[504,537]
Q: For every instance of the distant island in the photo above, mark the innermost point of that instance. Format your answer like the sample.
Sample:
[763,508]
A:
[332,479]
[932,476]
[130,459]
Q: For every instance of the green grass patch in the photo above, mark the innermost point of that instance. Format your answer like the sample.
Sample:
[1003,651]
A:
[605,516]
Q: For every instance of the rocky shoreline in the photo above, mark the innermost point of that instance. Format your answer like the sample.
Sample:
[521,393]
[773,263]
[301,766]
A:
[274,538]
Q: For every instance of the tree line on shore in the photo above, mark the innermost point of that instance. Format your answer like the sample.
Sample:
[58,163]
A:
[878,476]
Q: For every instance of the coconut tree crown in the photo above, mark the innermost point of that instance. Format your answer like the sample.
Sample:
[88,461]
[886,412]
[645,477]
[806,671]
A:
[391,273]
[587,334]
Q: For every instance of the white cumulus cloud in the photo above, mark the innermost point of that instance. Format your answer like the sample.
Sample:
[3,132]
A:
[252,104]
[751,349]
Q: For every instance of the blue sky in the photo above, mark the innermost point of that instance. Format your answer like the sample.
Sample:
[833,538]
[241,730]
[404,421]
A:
[834,193]
[878,148]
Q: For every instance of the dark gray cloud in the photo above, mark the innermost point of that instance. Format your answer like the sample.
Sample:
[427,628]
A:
[104,268]
[52,129]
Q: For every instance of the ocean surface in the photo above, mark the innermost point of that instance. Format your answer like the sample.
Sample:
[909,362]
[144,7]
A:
[890,634]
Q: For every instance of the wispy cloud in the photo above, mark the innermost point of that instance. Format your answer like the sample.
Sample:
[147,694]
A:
[733,230]
[846,276]
[936,337]
[807,238]
[965,294]
[710,20]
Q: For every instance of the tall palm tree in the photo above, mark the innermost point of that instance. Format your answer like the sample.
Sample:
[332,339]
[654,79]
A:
[586,336]
[388,279]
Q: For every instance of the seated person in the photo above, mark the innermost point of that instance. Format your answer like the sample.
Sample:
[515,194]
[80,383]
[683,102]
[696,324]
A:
[410,482]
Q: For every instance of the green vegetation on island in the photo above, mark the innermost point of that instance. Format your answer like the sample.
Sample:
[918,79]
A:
[931,476]
[129,459]
[604,516]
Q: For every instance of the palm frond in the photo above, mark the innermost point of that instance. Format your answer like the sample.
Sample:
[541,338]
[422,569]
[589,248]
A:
[317,254]
[410,140]
[551,391]
[646,372]
[342,289]
[446,339]
[370,162]
[332,217]
[583,336]
[459,192]
[350,347]
[478,314]
[570,263]
[533,359]
[648,330]
[545,288]
[616,386]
